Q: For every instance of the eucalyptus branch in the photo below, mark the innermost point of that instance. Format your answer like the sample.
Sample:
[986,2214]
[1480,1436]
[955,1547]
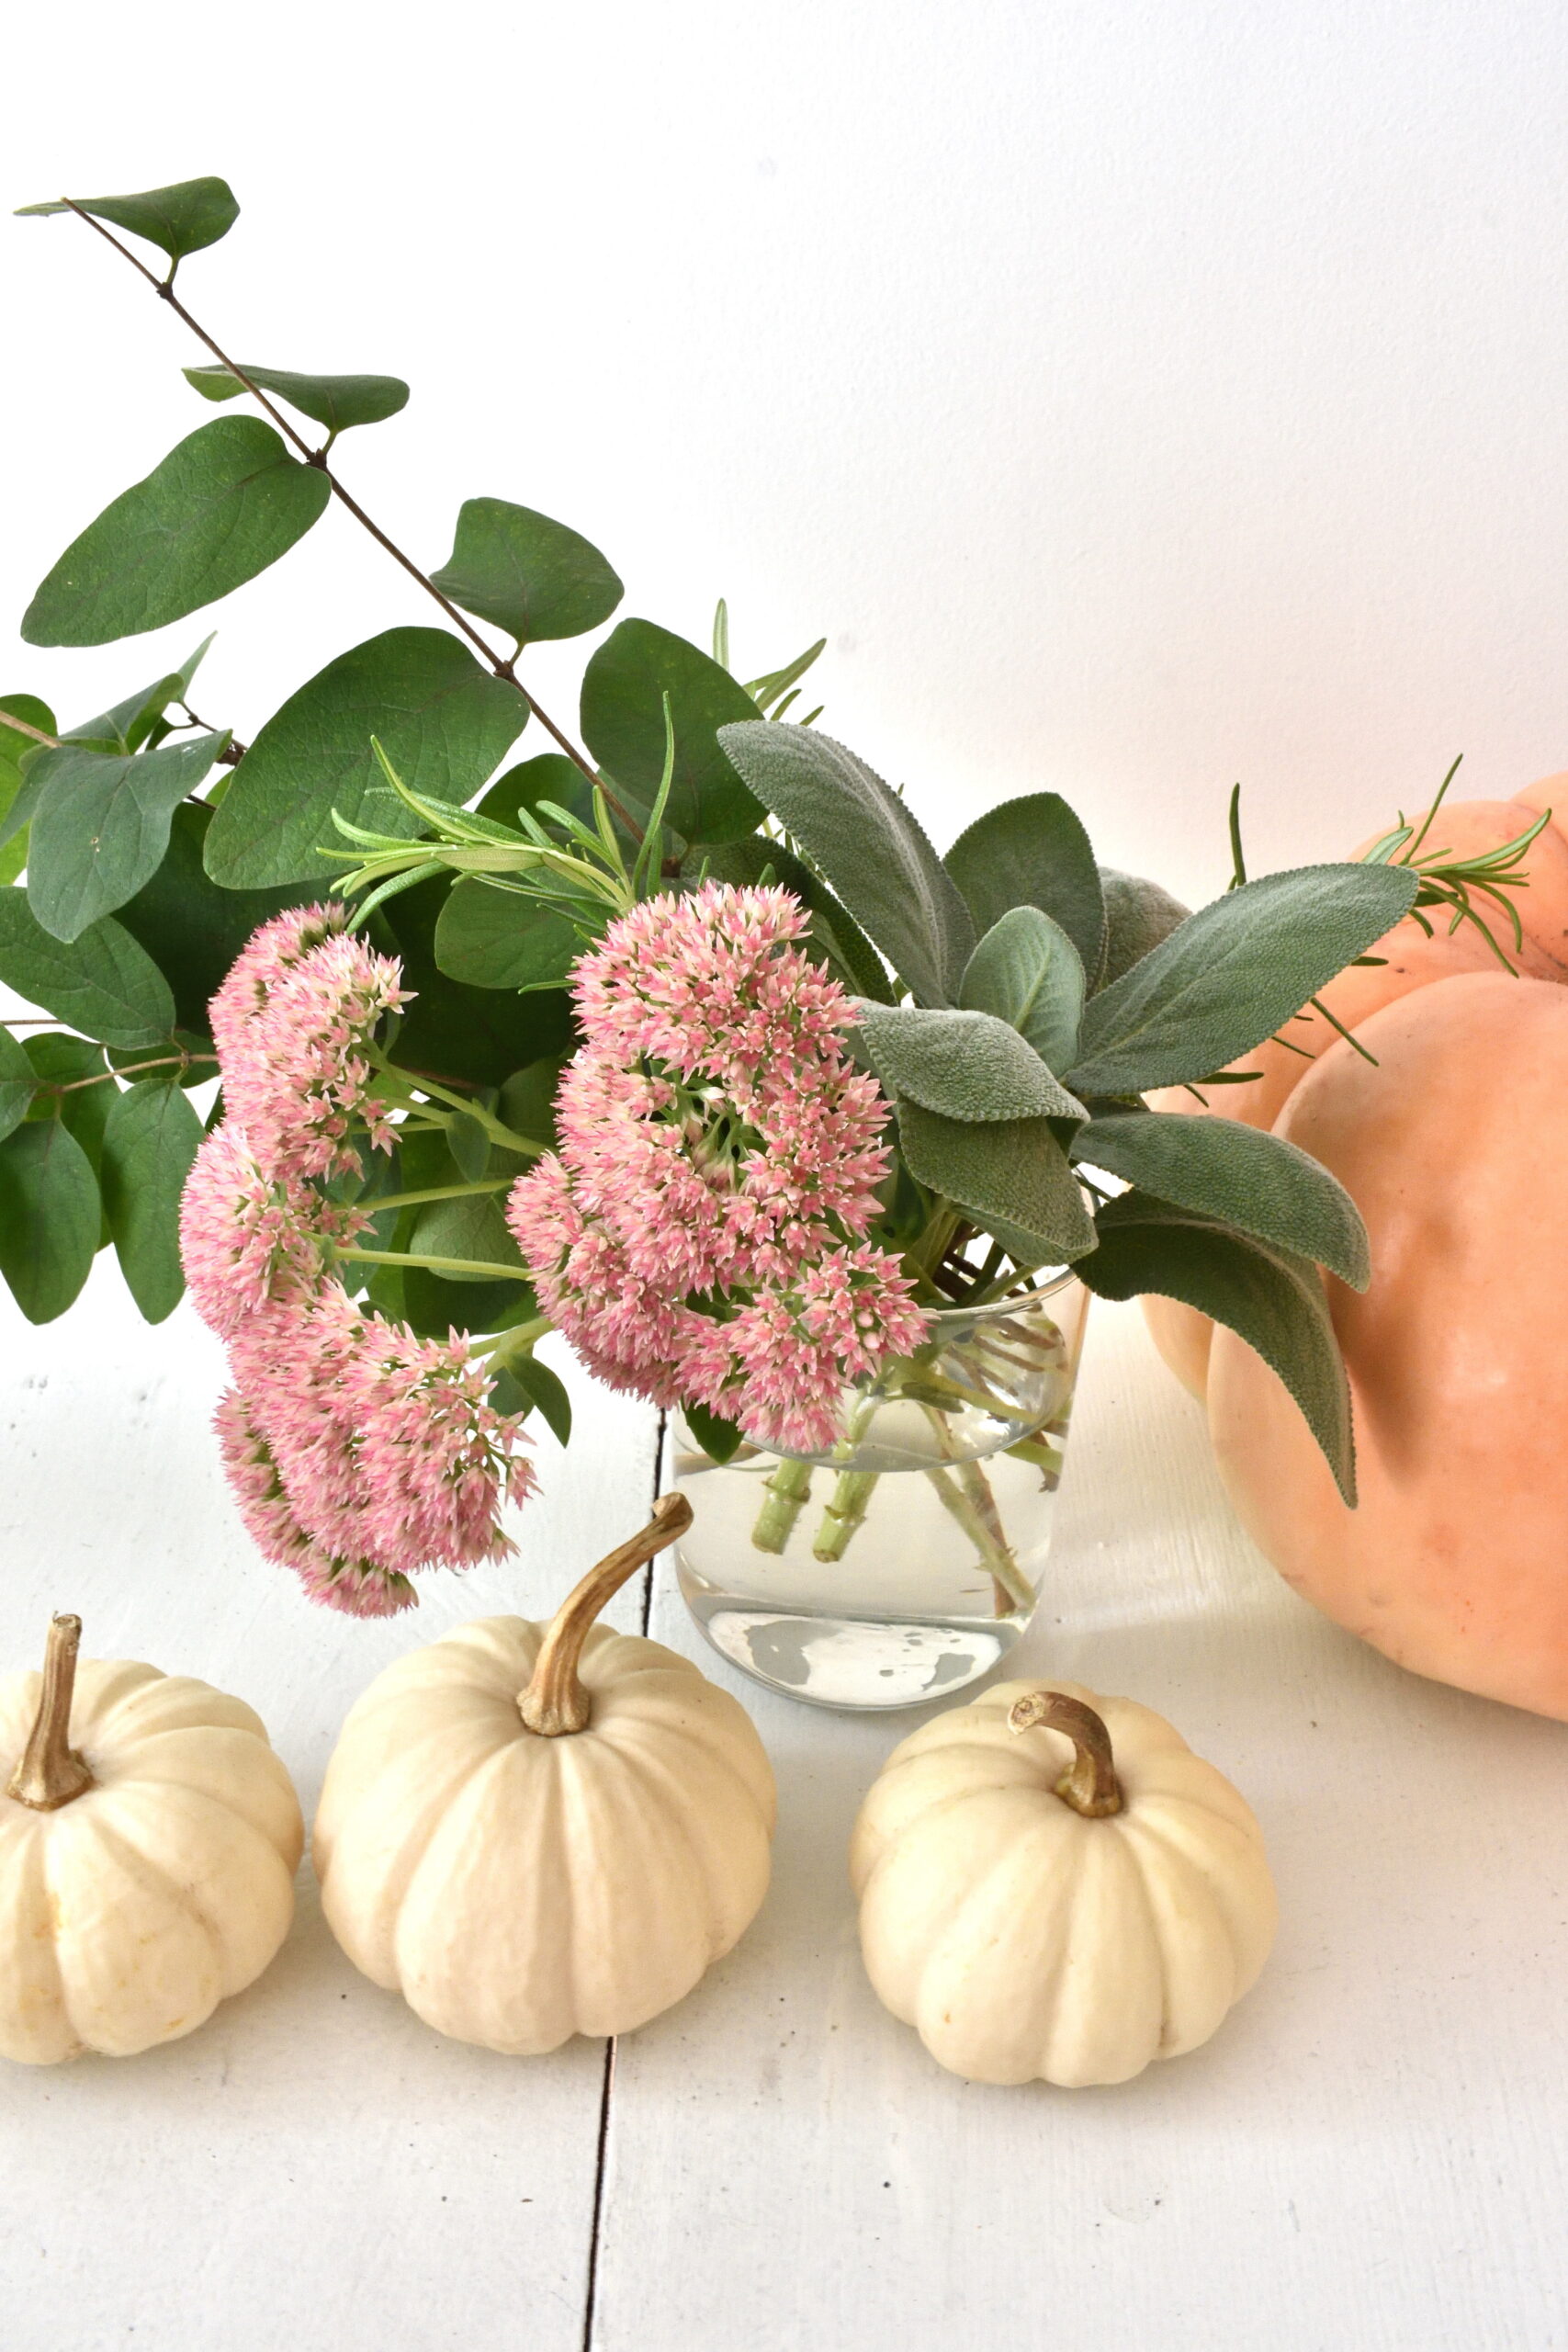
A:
[500,666]
[131,1070]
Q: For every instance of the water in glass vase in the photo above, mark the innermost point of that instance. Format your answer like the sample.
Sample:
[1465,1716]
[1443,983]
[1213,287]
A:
[909,1563]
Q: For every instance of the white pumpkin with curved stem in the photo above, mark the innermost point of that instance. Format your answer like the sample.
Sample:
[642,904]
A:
[149,1839]
[1053,1885]
[532,1831]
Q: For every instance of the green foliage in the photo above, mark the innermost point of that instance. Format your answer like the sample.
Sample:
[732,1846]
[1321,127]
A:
[968,1066]
[149,1142]
[179,220]
[835,938]
[623,688]
[862,838]
[1258,1183]
[1011,1175]
[16,747]
[1032,852]
[100,825]
[1227,978]
[1138,915]
[50,1215]
[1272,1297]
[524,1383]
[475,1227]
[16,1083]
[477,1037]
[227,502]
[136,720]
[338,401]
[103,983]
[1027,972]
[190,926]
[532,577]
[720,1440]
[74,1087]
[487,938]
[551,777]
[442,721]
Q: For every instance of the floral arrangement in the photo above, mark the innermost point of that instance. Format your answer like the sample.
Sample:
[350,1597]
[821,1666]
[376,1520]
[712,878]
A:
[679,1038]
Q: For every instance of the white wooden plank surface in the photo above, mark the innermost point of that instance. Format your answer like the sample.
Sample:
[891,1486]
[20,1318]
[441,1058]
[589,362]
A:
[1373,2154]
[315,2168]
[1374,2150]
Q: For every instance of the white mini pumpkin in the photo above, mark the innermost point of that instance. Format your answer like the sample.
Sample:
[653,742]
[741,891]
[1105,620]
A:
[525,1854]
[1053,1885]
[149,1839]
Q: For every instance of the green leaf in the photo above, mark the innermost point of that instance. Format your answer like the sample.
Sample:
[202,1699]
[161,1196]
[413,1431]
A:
[868,846]
[469,1144]
[473,1227]
[1227,978]
[14,747]
[527,1102]
[532,577]
[443,722]
[227,502]
[455,1031]
[127,726]
[1138,915]
[835,936]
[16,1083]
[102,983]
[1272,1298]
[1027,972]
[968,1066]
[191,928]
[179,220]
[50,1215]
[338,401]
[1259,1183]
[433,1306]
[1012,1176]
[720,1440]
[150,1143]
[622,725]
[498,939]
[100,826]
[550,776]
[523,1383]
[68,1072]
[1032,852]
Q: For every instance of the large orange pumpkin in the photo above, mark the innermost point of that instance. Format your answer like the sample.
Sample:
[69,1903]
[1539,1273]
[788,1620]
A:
[1462,828]
[1455,1149]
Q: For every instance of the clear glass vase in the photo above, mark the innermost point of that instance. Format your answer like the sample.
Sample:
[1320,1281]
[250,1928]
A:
[908,1561]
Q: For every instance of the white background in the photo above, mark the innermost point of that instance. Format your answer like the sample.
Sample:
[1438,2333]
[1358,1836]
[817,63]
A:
[1140,395]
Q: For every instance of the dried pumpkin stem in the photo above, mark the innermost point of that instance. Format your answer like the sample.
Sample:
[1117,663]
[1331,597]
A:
[555,1701]
[1089,1785]
[49,1772]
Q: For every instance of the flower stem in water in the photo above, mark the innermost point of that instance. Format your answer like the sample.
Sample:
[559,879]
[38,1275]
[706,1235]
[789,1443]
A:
[787,1491]
[844,1513]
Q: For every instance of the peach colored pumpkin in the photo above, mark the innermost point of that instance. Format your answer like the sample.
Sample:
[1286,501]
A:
[1455,1149]
[1463,828]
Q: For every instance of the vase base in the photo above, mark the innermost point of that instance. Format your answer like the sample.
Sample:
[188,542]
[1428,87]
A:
[856,1663]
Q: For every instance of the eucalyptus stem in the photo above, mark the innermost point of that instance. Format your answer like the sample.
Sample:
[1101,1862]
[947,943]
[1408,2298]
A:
[982,1526]
[501,666]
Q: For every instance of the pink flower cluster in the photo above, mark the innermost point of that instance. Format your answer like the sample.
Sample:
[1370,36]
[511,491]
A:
[720,1154]
[358,1453]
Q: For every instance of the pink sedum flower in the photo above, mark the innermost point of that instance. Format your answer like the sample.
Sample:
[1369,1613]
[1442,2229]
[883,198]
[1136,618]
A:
[358,1588]
[248,1239]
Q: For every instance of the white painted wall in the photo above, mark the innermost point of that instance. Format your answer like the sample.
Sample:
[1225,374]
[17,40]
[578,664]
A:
[1141,395]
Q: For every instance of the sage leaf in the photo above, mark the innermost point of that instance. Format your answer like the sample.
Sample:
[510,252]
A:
[1027,973]
[1032,852]
[103,983]
[1258,1184]
[339,402]
[17,1081]
[523,1383]
[1230,975]
[623,688]
[179,220]
[49,1216]
[149,1145]
[834,938]
[533,577]
[1272,1298]
[968,1066]
[443,722]
[16,747]
[100,826]
[869,846]
[498,939]
[192,929]
[227,502]
[1011,1175]
[1138,915]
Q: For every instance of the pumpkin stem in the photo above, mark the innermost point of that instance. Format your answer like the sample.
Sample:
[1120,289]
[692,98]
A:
[555,1701]
[49,1772]
[1089,1785]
